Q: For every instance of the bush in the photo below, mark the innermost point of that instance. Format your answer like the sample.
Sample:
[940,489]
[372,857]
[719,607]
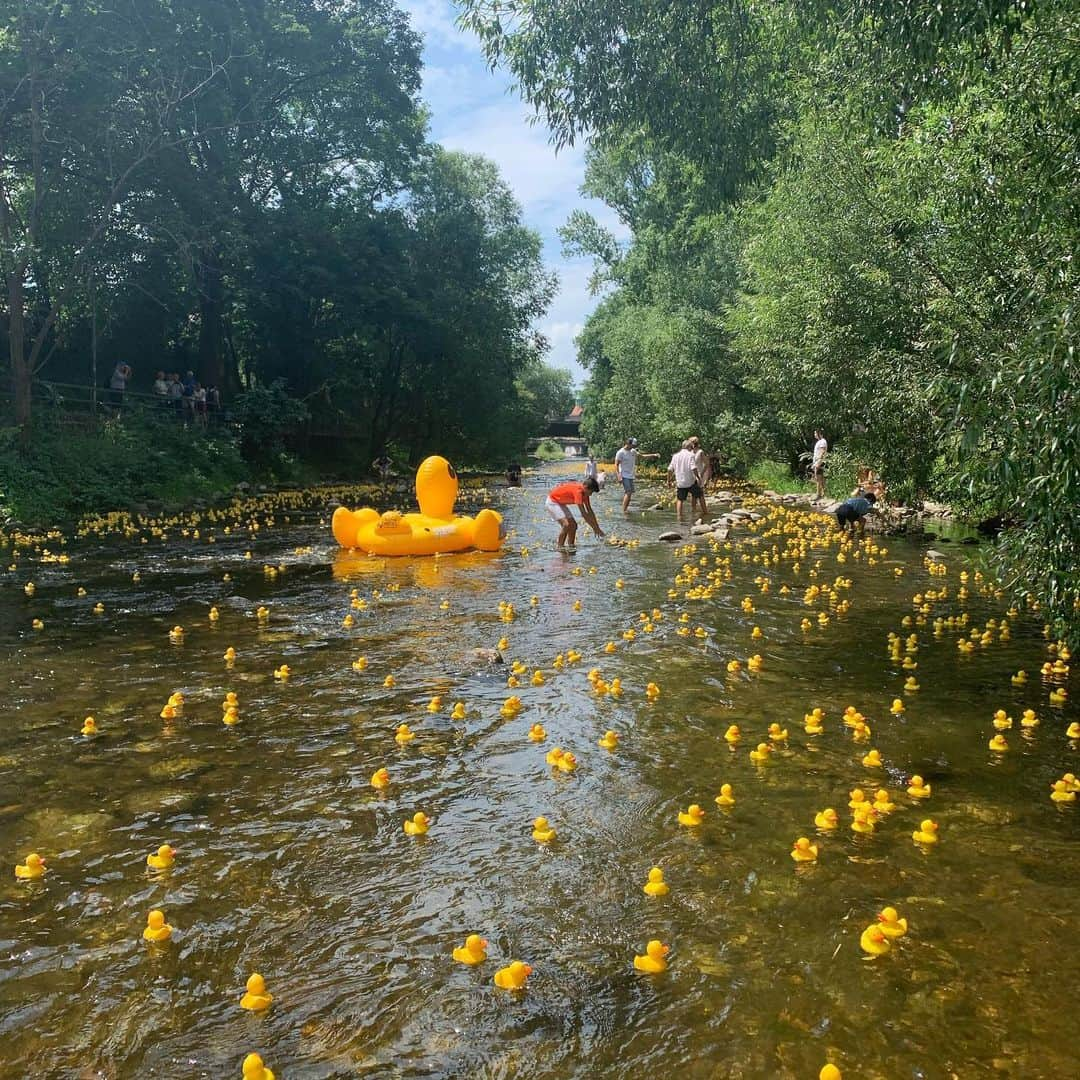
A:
[267,415]
[550,450]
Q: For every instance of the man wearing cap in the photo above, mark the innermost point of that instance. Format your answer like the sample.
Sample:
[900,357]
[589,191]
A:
[626,469]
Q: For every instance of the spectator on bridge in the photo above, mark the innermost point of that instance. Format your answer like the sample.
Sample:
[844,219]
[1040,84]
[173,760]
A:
[118,382]
[175,392]
[198,403]
[161,387]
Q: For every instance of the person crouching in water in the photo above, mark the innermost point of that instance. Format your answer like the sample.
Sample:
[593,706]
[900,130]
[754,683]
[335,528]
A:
[559,500]
[854,510]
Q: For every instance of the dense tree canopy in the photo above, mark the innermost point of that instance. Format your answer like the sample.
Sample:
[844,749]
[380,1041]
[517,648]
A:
[859,214]
[245,190]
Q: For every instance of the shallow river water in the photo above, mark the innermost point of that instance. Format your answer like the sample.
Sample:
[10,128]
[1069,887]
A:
[289,863]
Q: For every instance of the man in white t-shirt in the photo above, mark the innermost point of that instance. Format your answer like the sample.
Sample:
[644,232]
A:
[687,480]
[817,466]
[626,469]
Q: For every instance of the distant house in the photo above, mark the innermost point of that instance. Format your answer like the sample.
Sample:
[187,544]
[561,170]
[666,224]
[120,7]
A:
[568,427]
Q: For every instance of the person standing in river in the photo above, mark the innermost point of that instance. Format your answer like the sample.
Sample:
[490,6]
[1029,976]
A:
[687,481]
[626,470]
[559,500]
[703,464]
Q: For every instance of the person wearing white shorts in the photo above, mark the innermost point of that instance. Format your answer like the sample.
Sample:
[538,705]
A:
[559,500]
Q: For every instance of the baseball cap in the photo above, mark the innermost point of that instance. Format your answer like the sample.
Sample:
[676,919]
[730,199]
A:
[632,441]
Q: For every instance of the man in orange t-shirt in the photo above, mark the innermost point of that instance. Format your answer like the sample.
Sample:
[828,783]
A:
[559,500]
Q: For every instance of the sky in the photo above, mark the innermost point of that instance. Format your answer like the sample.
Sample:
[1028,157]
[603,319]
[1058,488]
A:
[474,110]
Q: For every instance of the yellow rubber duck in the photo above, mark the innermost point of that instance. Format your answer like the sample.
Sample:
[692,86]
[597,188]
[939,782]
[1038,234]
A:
[856,798]
[34,867]
[566,763]
[827,819]
[360,663]
[726,797]
[1002,721]
[257,998]
[418,824]
[380,779]
[918,789]
[231,716]
[1029,719]
[882,802]
[89,727]
[513,976]
[37,624]
[734,666]
[230,655]
[861,731]
[537,733]
[761,754]
[99,608]
[610,741]
[911,685]
[176,634]
[863,819]
[692,816]
[1072,781]
[755,663]
[163,859]
[458,712]
[1073,730]
[874,942]
[655,959]
[872,760]
[656,886]
[1019,678]
[777,734]
[542,832]
[897,706]
[157,929]
[1061,792]
[230,701]
[349,621]
[169,712]
[473,952]
[404,734]
[804,851]
[214,614]
[652,691]
[1058,697]
[926,833]
[732,735]
[502,644]
[998,744]
[812,723]
[254,1069]
[892,926]
[282,672]
[554,755]
[510,707]
[389,682]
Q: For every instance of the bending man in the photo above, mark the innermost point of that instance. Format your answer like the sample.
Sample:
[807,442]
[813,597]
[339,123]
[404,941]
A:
[561,497]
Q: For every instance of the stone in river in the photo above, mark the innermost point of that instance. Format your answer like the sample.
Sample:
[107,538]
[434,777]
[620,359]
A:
[671,537]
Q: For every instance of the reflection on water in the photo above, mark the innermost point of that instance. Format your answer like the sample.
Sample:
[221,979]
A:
[289,863]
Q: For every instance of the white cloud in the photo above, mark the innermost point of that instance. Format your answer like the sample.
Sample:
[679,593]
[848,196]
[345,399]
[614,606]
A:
[435,20]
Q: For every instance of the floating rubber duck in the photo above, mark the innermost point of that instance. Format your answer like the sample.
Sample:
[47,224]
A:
[231,716]
[89,727]
[882,802]
[29,588]
[1029,719]
[458,712]
[732,735]
[99,608]
[157,929]
[911,685]
[863,819]
[537,733]
[502,644]
[1072,781]
[542,832]
[918,789]
[827,819]
[254,1069]
[163,859]
[861,731]
[874,942]
[360,663]
[777,734]
[34,867]
[1061,792]
[804,851]
[1073,730]
[926,833]
[37,624]
[734,666]
[389,682]
[1058,697]
[513,976]
[656,886]
[256,998]
[1002,721]
[566,762]
[857,798]
[380,778]
[349,621]
[537,678]
[872,760]
[418,824]
[655,959]
[692,816]
[892,926]
[554,756]
[812,723]
[404,734]
[169,712]
[230,701]
[610,741]
[176,634]
[282,672]
[473,952]
[998,744]
[726,797]
[230,655]
[510,707]
[1020,678]
[761,754]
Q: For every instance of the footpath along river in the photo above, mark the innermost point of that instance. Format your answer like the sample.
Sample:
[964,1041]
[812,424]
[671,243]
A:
[289,863]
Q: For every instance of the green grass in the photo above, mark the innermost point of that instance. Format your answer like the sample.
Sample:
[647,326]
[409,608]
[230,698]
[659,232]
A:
[777,476]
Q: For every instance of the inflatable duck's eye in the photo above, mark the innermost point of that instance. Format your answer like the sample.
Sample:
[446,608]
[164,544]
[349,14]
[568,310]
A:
[450,470]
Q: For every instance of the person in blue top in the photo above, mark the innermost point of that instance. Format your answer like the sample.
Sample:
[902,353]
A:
[852,511]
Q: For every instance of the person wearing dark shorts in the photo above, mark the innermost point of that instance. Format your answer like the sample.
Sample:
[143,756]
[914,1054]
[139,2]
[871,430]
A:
[854,510]
[687,481]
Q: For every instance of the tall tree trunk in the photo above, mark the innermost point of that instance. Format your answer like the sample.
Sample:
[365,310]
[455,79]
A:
[21,367]
[213,370]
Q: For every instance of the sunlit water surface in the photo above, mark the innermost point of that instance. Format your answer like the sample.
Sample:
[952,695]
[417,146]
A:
[289,863]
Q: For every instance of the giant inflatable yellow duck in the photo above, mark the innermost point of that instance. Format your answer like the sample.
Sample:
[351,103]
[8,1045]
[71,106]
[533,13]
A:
[432,531]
